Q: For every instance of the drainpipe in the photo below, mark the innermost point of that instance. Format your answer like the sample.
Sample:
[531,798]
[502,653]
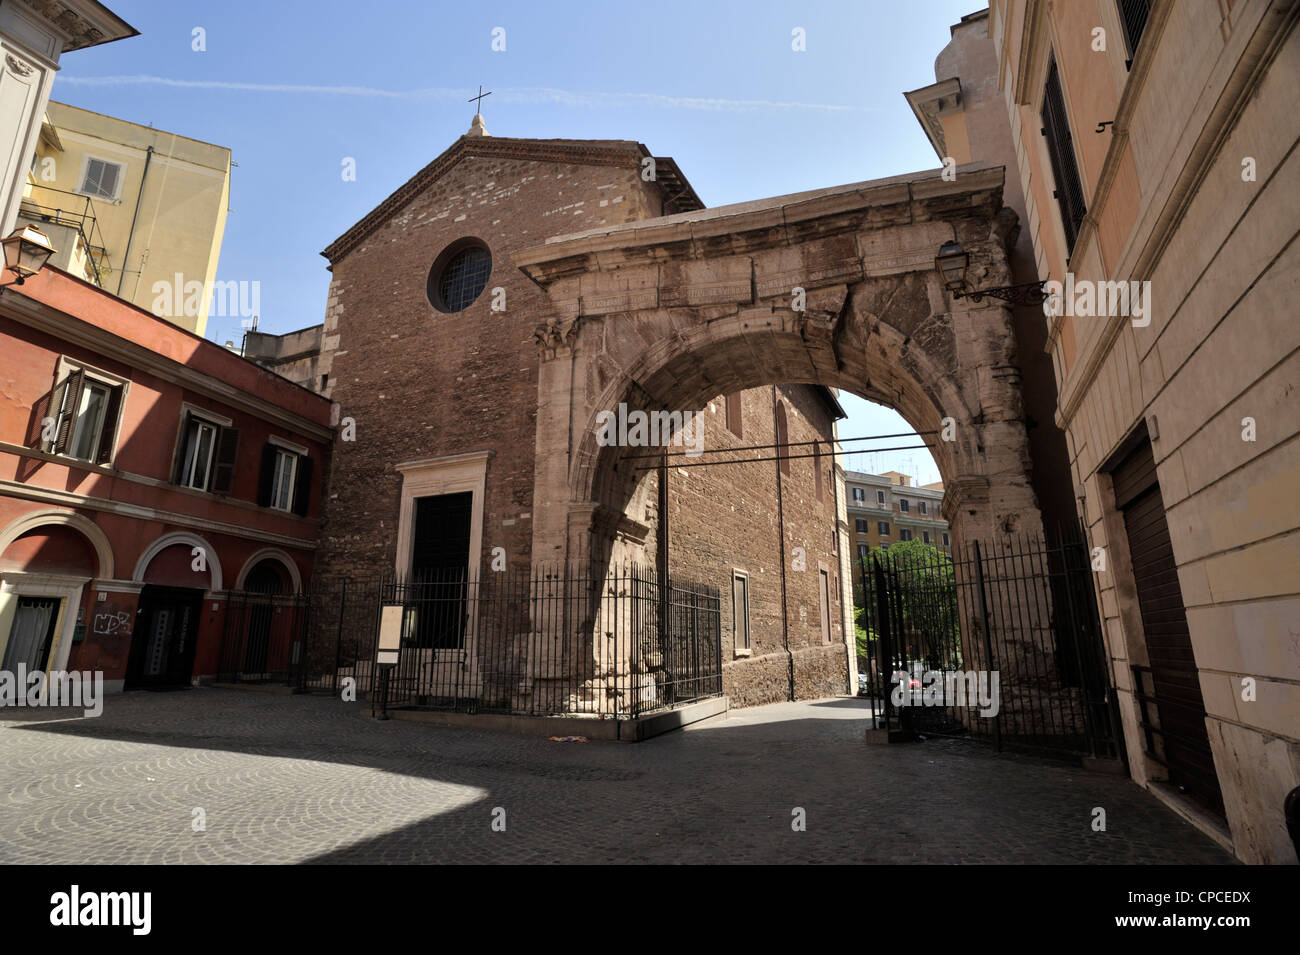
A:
[780,527]
[126,256]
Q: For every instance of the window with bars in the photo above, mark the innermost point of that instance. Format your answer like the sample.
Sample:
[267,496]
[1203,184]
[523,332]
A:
[1133,14]
[459,276]
[1060,151]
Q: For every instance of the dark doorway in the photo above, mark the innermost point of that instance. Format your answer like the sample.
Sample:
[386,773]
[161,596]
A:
[32,634]
[264,579]
[1171,682]
[439,565]
[162,650]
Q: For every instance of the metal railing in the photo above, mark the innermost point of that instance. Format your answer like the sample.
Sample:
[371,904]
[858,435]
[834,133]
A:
[75,212]
[934,625]
[541,641]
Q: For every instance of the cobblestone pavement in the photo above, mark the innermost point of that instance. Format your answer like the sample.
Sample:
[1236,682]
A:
[310,779]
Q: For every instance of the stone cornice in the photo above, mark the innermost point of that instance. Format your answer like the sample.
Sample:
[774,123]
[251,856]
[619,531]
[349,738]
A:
[931,102]
[81,23]
[770,224]
[73,330]
[32,492]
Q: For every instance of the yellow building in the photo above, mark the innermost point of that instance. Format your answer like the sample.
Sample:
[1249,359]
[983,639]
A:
[887,508]
[138,211]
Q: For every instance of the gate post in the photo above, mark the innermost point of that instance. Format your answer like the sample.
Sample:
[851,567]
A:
[988,640]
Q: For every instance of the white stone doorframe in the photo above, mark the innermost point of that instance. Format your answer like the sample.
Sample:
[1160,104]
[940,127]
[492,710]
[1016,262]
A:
[16,584]
[429,477]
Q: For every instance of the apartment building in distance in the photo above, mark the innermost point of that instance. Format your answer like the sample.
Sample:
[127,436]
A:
[135,210]
[887,508]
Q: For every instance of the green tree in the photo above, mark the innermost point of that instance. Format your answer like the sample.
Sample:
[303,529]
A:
[927,587]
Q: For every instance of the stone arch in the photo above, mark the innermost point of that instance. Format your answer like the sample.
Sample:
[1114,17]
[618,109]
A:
[271,554]
[71,519]
[192,540]
[667,314]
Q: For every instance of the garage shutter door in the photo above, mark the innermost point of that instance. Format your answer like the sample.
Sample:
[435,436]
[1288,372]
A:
[1177,688]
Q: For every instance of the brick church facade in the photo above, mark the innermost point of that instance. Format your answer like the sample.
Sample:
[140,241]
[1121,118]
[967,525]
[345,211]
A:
[437,397]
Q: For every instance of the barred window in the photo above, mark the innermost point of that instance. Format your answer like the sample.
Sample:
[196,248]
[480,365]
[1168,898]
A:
[459,276]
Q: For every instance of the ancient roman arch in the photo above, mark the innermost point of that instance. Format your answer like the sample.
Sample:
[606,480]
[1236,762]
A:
[664,314]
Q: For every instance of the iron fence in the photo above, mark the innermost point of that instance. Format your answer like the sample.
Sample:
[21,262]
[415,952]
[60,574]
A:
[542,641]
[999,641]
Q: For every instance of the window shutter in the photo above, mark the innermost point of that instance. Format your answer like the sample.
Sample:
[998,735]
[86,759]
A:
[223,475]
[302,486]
[178,460]
[108,431]
[68,405]
[1060,150]
[267,477]
[1133,14]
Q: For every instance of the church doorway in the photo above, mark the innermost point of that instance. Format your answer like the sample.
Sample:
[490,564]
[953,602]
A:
[439,564]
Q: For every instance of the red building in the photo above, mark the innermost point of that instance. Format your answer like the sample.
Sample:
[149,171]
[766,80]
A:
[145,474]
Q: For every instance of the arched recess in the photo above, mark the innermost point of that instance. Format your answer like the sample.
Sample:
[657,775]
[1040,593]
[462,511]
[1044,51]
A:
[215,579]
[894,359]
[54,517]
[274,554]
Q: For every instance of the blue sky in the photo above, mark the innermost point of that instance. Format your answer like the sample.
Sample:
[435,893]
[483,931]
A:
[294,87]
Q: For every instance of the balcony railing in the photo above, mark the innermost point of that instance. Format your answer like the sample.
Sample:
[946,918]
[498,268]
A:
[72,211]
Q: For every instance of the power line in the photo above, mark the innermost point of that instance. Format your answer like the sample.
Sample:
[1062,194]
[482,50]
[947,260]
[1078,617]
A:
[797,444]
[777,457]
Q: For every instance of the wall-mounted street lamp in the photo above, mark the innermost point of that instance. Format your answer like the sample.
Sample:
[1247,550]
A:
[952,262]
[26,252]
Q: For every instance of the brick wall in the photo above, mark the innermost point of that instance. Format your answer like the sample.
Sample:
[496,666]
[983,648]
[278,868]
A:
[420,383]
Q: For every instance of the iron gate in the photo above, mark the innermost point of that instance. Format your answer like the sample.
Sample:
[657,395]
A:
[540,641]
[998,642]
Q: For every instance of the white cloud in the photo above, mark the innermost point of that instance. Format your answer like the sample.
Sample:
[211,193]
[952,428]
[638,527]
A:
[576,99]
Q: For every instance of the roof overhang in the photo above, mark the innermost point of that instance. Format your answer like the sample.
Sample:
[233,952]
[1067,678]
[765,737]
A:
[79,24]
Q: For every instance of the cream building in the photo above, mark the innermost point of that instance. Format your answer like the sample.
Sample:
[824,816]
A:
[1155,144]
[136,210]
[34,34]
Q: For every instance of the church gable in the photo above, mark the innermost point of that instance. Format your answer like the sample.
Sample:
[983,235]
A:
[664,193]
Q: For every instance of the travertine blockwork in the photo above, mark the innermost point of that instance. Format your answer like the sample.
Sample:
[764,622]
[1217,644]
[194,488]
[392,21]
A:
[876,321]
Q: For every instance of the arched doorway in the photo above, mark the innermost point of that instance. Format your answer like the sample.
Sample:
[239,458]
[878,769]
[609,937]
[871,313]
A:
[46,559]
[176,570]
[263,583]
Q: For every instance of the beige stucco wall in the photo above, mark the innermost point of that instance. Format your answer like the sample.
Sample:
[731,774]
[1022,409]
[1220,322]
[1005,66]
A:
[1167,203]
[182,213]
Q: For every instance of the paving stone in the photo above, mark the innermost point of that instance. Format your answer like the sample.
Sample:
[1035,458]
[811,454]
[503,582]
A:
[312,779]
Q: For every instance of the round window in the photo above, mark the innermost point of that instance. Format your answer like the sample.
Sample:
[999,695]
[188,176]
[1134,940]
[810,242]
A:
[459,275]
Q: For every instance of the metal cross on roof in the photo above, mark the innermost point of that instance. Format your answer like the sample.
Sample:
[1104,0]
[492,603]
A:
[477,100]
